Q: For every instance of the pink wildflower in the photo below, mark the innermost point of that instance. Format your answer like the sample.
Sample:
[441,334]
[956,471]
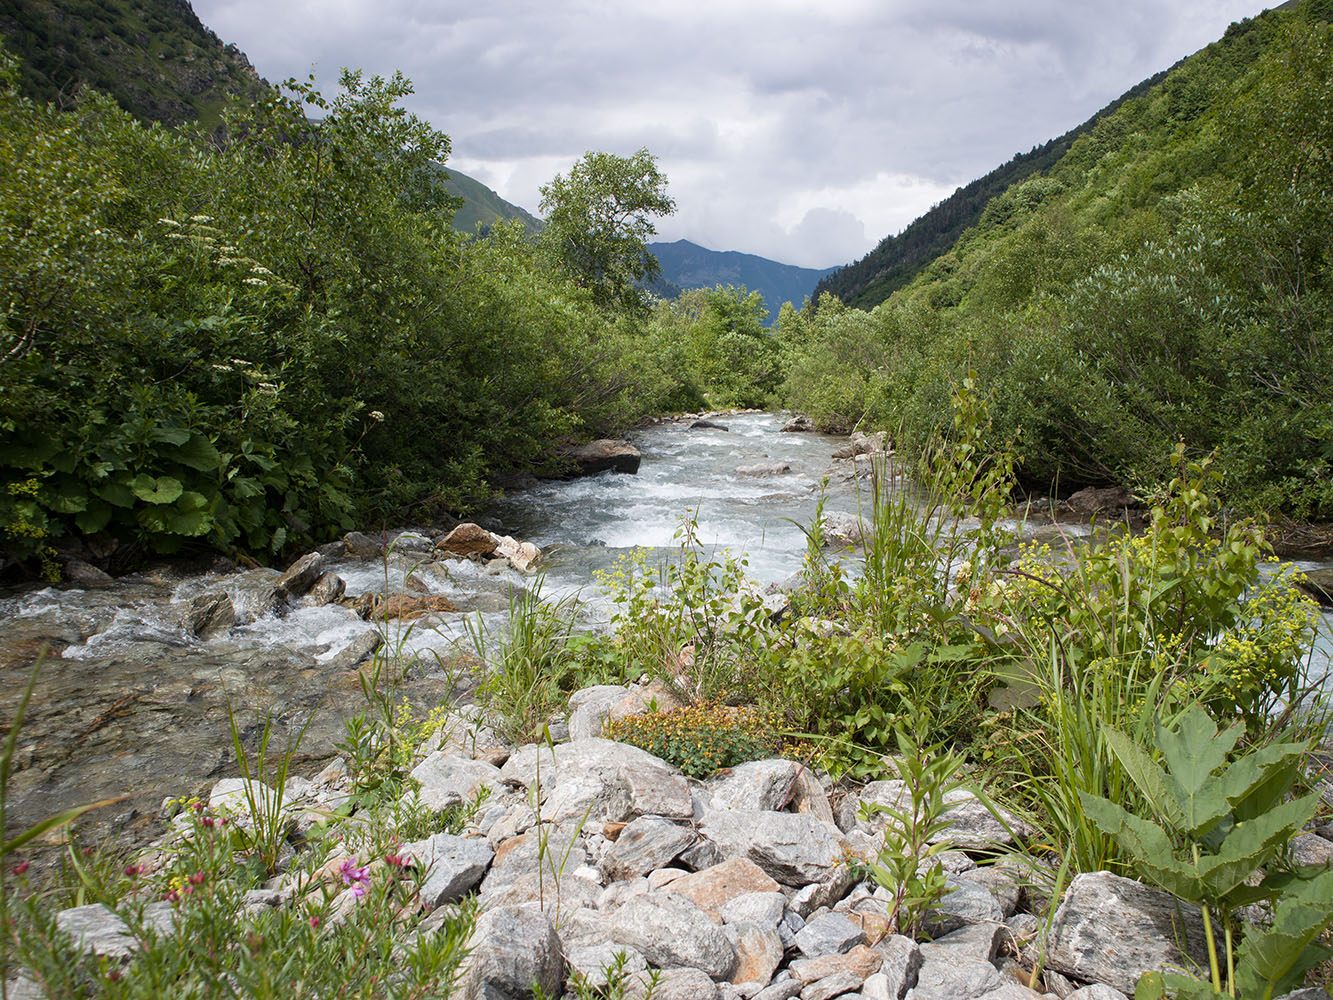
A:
[357,877]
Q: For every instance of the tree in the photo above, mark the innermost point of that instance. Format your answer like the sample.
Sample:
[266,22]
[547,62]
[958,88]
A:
[599,219]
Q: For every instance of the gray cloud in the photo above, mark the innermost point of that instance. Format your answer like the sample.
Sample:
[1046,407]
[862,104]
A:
[798,131]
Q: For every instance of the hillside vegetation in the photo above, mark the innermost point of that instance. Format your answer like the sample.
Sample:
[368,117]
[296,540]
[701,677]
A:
[153,56]
[1166,280]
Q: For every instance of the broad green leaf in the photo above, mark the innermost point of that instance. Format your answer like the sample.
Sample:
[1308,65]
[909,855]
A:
[159,490]
[1194,749]
[1275,960]
[1152,849]
[189,515]
[1252,844]
[1153,782]
[199,453]
[94,518]
[1260,780]
[67,499]
[118,494]
[169,435]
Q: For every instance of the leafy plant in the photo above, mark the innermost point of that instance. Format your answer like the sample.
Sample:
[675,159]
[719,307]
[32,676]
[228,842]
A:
[1216,822]
[913,833]
[703,738]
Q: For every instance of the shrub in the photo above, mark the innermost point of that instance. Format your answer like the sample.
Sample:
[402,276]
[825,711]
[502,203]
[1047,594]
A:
[704,738]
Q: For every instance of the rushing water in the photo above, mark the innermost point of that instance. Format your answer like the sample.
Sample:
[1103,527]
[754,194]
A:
[130,704]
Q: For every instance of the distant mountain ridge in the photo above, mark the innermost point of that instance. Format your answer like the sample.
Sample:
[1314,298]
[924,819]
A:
[688,265]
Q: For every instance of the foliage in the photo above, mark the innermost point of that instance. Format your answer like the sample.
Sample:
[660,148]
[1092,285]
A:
[1215,823]
[913,834]
[703,738]
[599,219]
[526,666]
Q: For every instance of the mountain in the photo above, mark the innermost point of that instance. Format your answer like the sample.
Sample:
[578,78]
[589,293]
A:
[482,206]
[688,265]
[154,57]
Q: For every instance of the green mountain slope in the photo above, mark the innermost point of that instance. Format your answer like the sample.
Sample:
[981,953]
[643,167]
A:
[1168,279]
[153,56]
[688,265]
[482,206]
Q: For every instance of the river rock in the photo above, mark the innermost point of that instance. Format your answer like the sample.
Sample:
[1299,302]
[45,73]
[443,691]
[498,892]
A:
[593,963]
[900,967]
[96,929]
[210,615]
[798,424]
[453,866]
[468,539]
[514,951]
[843,530]
[762,908]
[364,646]
[1111,930]
[1092,500]
[862,960]
[707,425]
[713,888]
[646,844]
[759,951]
[446,781]
[675,984]
[1318,583]
[1100,991]
[86,576]
[603,455]
[967,903]
[522,556]
[862,444]
[326,590]
[409,607]
[606,781]
[760,469]
[954,979]
[300,576]
[671,932]
[362,546]
[794,849]
[755,785]
[829,934]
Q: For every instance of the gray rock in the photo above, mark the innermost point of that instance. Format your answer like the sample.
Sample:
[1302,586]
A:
[755,785]
[968,903]
[553,848]
[454,866]
[700,425]
[1100,991]
[978,941]
[1060,986]
[782,990]
[671,932]
[809,898]
[606,781]
[676,984]
[833,986]
[954,979]
[1309,993]
[1111,930]
[793,849]
[300,576]
[759,469]
[902,963]
[798,424]
[1011,990]
[590,707]
[96,929]
[1318,583]
[702,856]
[446,781]
[829,934]
[1310,849]
[513,950]
[362,546]
[365,645]
[328,588]
[605,455]
[646,844]
[210,614]
[759,951]
[762,908]
[86,576]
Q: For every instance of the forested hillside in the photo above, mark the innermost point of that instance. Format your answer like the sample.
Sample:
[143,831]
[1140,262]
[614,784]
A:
[898,259]
[1167,279]
[153,56]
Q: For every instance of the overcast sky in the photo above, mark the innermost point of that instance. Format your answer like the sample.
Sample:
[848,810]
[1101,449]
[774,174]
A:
[802,131]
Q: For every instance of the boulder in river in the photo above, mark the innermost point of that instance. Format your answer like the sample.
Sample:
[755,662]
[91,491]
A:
[758,469]
[1093,500]
[210,614]
[1318,583]
[468,539]
[300,576]
[798,424]
[707,425]
[863,444]
[601,455]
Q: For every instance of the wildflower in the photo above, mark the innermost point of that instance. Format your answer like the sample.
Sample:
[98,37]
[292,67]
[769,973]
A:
[356,877]
[376,416]
[21,867]
[133,871]
[314,921]
[197,878]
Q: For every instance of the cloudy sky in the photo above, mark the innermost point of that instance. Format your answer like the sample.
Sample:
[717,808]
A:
[799,130]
